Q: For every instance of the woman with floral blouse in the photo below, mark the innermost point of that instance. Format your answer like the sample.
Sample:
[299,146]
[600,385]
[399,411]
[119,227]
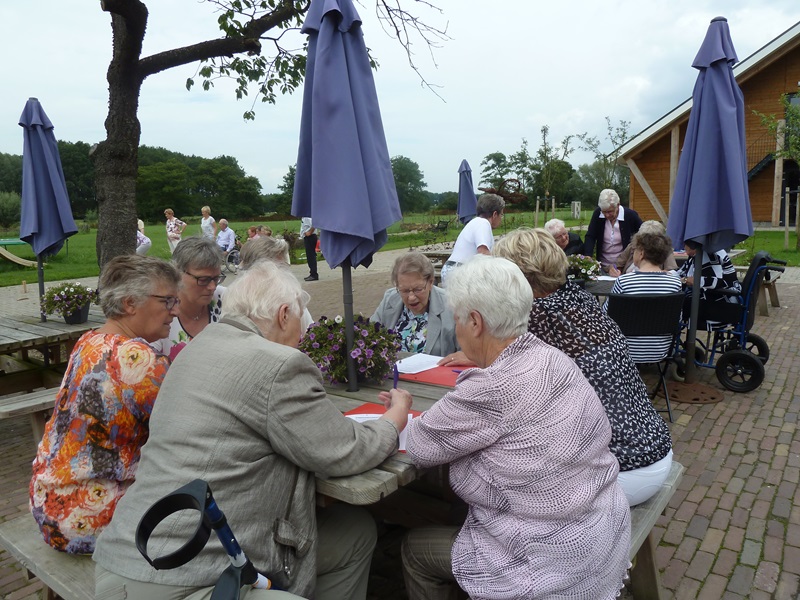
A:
[88,456]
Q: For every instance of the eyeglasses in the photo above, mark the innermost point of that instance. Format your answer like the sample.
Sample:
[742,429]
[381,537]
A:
[205,281]
[169,301]
[416,291]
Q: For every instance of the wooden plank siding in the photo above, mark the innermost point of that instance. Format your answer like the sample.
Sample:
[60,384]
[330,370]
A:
[762,88]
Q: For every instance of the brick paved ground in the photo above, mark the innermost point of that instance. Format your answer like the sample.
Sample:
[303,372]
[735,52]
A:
[731,531]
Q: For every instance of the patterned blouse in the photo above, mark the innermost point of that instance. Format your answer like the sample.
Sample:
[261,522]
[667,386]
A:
[178,337]
[174,228]
[573,321]
[412,330]
[88,456]
[717,273]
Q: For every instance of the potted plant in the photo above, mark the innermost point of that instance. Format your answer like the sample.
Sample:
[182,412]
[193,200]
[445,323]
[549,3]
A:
[582,269]
[375,348]
[70,300]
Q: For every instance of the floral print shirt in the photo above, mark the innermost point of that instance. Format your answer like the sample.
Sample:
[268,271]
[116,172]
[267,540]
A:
[178,337]
[88,456]
[412,330]
[174,226]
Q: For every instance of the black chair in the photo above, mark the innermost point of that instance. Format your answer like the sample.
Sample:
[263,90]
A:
[641,315]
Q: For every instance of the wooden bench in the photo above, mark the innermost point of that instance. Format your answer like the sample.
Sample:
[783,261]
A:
[64,575]
[645,582]
[37,405]
[767,287]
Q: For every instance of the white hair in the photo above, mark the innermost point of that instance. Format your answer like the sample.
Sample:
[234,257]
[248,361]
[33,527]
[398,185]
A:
[260,291]
[555,226]
[655,227]
[608,198]
[494,287]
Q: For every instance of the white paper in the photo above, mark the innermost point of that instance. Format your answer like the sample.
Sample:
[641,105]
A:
[416,363]
[363,418]
[605,278]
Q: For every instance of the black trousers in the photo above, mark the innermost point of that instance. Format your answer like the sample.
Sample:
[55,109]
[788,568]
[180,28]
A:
[310,242]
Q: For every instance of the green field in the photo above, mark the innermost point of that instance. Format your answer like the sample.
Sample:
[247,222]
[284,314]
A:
[79,258]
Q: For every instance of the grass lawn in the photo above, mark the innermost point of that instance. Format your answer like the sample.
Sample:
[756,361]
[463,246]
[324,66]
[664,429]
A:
[79,258]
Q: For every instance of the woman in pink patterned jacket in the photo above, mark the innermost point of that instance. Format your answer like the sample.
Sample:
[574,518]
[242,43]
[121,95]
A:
[527,442]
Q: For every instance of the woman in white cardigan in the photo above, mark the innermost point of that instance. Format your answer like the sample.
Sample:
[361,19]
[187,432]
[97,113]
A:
[417,309]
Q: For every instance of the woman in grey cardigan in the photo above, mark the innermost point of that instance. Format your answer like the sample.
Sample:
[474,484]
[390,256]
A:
[417,309]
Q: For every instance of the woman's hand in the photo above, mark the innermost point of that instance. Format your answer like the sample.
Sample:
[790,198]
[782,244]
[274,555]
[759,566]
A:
[398,403]
[456,359]
[614,271]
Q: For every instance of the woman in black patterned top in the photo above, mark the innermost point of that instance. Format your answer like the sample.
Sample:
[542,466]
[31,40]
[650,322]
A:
[567,317]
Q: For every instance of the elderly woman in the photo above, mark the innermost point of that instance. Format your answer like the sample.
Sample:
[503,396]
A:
[610,230]
[258,426]
[175,229]
[650,252]
[570,319]
[198,259]
[88,456]
[569,242]
[208,226]
[625,260]
[416,308]
[477,236]
[527,443]
[718,273]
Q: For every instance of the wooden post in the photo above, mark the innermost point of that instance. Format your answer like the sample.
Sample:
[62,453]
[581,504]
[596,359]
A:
[536,214]
[786,220]
[553,205]
[796,218]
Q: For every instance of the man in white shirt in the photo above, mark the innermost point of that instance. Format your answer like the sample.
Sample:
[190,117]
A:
[477,236]
[226,238]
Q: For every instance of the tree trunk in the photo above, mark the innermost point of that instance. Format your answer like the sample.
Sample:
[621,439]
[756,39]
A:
[116,159]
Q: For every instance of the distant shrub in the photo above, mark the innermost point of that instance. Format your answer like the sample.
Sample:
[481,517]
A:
[9,209]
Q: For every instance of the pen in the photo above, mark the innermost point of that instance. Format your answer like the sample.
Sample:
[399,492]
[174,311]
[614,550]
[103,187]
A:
[458,370]
[396,376]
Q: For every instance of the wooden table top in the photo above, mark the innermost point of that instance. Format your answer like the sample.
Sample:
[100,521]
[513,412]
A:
[24,332]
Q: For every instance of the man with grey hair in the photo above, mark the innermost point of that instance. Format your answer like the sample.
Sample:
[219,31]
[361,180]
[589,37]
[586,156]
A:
[610,230]
[568,241]
[226,238]
[477,236]
[247,412]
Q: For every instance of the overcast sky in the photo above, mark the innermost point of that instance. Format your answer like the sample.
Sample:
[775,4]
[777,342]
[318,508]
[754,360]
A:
[510,67]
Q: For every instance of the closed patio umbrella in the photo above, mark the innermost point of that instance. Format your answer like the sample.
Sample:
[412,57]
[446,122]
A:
[46,216]
[344,178]
[711,201]
[467,200]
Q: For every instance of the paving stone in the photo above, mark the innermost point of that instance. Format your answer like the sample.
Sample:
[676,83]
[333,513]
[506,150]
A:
[713,540]
[713,588]
[742,580]
[726,562]
[791,559]
[700,566]
[751,553]
[766,578]
[788,586]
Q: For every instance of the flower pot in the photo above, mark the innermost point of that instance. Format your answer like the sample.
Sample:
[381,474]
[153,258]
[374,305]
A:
[79,316]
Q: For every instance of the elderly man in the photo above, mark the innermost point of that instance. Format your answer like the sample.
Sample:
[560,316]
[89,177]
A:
[569,242]
[226,238]
[244,410]
[610,229]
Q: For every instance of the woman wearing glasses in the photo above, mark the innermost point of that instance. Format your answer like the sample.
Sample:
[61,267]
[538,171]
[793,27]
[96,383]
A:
[199,260]
[417,309]
[90,450]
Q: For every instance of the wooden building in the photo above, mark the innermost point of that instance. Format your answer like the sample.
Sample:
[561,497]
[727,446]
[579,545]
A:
[652,155]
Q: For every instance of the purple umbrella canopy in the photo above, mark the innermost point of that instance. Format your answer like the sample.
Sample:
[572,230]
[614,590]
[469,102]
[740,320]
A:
[344,178]
[46,219]
[467,200]
[711,201]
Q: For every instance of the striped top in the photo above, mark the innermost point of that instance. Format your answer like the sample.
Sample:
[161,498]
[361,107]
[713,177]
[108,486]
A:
[651,348]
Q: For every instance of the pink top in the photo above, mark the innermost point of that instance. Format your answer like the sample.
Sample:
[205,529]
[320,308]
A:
[527,442]
[612,243]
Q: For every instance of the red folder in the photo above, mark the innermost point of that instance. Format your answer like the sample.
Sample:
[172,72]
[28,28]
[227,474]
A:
[444,376]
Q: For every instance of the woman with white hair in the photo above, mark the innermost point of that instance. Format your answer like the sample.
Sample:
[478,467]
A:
[568,241]
[90,450]
[247,412]
[610,230]
[527,443]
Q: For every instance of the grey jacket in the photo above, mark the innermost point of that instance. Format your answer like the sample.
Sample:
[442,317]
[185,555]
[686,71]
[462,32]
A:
[441,336]
[249,416]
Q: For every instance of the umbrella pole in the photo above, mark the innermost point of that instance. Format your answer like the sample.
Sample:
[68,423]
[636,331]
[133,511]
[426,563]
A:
[40,273]
[347,298]
[691,334]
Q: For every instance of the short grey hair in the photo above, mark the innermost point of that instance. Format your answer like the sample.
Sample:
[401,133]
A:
[264,248]
[412,263]
[495,288]
[554,226]
[656,227]
[607,199]
[489,204]
[259,292]
[133,277]
[197,252]
[223,221]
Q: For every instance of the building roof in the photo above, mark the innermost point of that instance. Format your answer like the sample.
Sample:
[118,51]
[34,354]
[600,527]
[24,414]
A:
[743,70]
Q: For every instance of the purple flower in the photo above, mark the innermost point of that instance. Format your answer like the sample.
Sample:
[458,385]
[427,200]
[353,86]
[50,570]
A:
[315,344]
[311,336]
[364,333]
[369,353]
[335,347]
[356,352]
